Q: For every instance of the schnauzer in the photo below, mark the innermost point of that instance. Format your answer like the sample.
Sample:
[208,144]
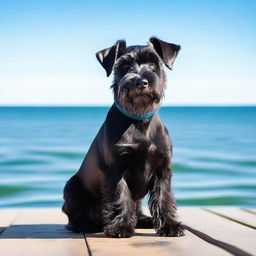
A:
[131,153]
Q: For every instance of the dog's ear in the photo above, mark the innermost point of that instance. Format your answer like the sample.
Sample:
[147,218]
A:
[108,56]
[166,51]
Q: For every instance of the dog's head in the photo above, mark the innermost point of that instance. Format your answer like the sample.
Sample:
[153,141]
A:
[139,78]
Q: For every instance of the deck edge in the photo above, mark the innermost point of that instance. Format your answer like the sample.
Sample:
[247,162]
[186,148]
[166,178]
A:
[229,218]
[223,245]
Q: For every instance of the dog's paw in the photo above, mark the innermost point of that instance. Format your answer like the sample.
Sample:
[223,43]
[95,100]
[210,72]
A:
[144,222]
[171,230]
[119,232]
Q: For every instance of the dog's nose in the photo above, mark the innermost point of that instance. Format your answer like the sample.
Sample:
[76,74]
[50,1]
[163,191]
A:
[142,83]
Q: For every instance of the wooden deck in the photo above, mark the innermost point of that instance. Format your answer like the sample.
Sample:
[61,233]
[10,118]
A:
[209,231]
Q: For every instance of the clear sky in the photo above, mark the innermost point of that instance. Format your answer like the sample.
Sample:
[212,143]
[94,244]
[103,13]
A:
[47,49]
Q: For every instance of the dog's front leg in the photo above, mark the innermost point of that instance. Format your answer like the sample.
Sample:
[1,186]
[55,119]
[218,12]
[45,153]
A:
[162,206]
[119,210]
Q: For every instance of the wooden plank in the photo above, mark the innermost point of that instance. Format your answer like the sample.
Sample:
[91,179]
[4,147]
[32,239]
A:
[235,214]
[252,211]
[146,242]
[6,217]
[233,237]
[41,232]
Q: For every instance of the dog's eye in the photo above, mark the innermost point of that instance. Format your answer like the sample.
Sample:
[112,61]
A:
[125,68]
[152,68]
[152,65]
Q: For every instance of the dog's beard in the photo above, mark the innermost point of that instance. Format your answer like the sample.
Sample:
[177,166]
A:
[138,101]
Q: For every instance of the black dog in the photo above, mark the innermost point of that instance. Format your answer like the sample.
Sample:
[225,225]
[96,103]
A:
[131,153]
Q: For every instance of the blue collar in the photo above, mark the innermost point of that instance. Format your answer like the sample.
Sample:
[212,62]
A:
[142,117]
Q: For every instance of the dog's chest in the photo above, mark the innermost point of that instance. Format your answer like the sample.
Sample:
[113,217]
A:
[141,152]
[139,162]
[140,171]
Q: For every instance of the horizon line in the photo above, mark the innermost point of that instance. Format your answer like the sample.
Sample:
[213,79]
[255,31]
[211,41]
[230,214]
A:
[109,105]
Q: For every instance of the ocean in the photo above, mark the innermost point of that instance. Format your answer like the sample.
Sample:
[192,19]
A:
[214,160]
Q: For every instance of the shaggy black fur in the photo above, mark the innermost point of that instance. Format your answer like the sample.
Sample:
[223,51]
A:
[128,158]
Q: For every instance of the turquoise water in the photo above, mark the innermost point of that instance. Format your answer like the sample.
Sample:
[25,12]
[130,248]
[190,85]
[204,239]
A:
[214,159]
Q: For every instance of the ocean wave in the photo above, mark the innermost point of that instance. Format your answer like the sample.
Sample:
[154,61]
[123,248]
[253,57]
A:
[218,200]
[60,154]
[233,161]
[23,162]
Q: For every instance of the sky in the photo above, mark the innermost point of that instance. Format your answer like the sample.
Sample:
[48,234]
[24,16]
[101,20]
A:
[47,49]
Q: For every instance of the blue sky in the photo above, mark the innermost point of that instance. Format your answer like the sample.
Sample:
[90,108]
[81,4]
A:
[47,49]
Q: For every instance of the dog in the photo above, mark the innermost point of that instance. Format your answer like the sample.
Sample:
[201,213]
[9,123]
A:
[130,156]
